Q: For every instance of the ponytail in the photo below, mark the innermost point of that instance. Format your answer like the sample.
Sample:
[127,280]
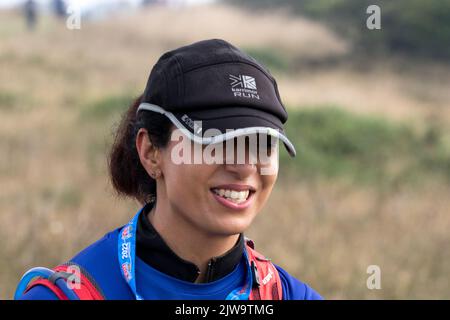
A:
[128,176]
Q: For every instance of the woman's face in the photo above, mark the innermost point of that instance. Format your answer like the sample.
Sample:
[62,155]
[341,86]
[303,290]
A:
[216,198]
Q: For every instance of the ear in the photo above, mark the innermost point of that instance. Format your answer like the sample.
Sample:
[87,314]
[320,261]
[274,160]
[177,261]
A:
[149,155]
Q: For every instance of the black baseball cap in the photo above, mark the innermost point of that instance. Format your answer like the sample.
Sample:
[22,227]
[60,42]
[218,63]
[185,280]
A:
[214,82]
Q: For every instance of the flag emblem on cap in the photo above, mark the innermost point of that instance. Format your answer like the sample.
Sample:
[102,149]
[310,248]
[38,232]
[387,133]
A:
[243,81]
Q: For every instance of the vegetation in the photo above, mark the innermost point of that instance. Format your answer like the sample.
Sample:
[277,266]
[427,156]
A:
[334,143]
[411,27]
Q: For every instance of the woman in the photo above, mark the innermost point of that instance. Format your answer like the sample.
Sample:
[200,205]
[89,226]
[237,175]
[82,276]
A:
[178,152]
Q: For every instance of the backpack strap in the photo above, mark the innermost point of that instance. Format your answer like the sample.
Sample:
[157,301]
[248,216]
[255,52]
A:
[49,285]
[266,279]
[85,288]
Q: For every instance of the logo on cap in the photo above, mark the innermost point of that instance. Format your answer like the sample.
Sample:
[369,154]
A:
[244,86]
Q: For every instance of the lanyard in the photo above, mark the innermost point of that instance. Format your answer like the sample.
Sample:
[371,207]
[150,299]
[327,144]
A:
[127,258]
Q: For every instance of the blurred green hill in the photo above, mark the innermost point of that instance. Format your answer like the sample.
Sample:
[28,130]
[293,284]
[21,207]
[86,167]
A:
[411,27]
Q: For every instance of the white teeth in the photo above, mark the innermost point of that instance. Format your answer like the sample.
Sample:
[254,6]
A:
[233,195]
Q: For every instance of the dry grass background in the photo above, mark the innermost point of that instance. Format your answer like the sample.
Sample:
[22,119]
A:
[55,197]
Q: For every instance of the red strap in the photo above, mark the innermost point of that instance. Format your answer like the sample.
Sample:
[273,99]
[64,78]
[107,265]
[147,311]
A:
[270,283]
[44,282]
[86,290]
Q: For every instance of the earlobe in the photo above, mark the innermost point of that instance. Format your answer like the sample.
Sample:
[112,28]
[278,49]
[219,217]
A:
[153,157]
[155,174]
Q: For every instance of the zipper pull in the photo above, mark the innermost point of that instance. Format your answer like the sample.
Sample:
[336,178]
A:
[209,271]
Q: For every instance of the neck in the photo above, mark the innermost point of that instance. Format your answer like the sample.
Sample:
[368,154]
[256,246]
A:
[188,241]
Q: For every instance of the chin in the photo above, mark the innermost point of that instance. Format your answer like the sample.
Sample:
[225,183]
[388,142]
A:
[232,227]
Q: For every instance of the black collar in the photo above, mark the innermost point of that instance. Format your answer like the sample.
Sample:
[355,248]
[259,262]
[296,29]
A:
[151,248]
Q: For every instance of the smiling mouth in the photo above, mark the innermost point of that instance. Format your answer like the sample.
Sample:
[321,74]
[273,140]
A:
[234,196]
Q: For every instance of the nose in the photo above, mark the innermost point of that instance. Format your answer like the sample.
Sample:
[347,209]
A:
[242,162]
[241,171]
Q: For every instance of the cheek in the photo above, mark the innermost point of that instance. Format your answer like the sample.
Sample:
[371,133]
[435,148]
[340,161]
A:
[186,184]
[268,167]
[267,184]
[268,171]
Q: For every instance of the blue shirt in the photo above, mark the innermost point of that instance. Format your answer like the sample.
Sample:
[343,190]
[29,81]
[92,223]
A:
[100,261]
[165,287]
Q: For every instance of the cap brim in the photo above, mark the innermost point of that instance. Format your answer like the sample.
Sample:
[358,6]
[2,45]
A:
[229,123]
